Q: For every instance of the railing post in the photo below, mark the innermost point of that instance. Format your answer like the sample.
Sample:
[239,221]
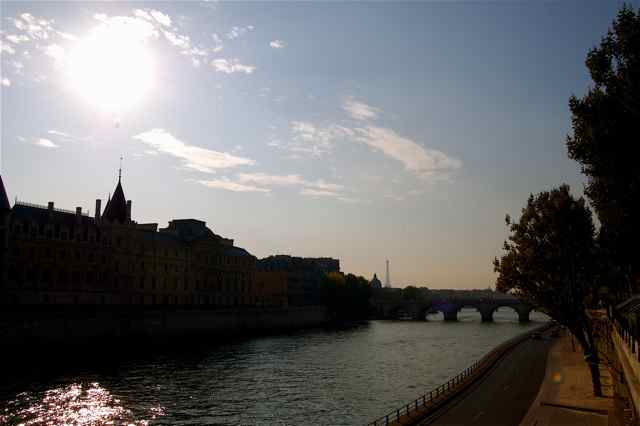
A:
[431,396]
[386,419]
[398,415]
[424,400]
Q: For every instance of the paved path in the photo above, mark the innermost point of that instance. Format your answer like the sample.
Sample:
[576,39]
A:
[566,395]
[504,395]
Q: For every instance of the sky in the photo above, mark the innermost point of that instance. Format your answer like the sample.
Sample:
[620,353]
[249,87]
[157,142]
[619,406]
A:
[360,131]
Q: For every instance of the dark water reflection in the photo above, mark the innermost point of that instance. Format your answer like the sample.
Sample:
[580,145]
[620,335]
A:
[337,377]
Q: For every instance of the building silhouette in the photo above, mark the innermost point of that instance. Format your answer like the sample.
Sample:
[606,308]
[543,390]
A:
[375,283]
[303,274]
[55,256]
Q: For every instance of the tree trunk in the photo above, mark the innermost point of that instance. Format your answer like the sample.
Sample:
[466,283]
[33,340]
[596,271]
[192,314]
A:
[585,338]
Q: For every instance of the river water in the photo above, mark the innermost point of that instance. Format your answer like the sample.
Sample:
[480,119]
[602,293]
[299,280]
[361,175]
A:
[315,377]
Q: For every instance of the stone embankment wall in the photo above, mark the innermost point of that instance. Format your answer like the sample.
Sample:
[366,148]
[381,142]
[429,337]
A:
[60,325]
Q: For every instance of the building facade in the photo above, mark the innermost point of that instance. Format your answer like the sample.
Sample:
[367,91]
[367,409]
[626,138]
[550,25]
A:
[54,256]
[272,288]
[303,276]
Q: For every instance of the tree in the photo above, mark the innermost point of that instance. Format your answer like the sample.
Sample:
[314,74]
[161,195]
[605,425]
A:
[345,296]
[605,142]
[550,261]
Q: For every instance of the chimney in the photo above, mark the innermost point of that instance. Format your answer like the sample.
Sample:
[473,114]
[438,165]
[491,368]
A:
[128,210]
[98,205]
[78,214]
[50,206]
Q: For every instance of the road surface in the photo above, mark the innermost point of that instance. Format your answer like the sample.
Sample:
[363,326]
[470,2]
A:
[504,394]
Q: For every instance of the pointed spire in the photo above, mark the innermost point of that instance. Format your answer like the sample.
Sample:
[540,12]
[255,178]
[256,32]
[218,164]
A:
[4,200]
[120,170]
[116,208]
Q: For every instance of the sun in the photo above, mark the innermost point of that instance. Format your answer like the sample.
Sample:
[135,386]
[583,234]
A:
[112,67]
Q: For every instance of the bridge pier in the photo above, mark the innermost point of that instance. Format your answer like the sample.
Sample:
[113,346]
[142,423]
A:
[487,316]
[523,316]
[451,315]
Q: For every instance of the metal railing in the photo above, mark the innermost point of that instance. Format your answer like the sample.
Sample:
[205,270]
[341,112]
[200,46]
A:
[442,393]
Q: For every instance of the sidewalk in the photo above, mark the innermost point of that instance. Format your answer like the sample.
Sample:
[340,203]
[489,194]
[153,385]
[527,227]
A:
[566,394]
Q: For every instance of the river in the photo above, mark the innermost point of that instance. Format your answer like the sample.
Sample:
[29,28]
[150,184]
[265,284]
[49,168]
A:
[316,377]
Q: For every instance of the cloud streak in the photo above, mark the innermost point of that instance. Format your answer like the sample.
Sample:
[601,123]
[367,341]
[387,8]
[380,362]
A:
[230,66]
[264,182]
[193,157]
[45,143]
[359,110]
[425,163]
[278,44]
[228,185]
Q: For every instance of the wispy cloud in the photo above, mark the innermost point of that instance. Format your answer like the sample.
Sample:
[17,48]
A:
[236,32]
[264,179]
[319,193]
[359,110]
[231,186]
[194,157]
[425,163]
[45,143]
[217,43]
[278,44]
[5,82]
[230,66]
[264,182]
[307,138]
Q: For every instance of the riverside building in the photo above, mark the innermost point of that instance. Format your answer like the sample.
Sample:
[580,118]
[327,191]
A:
[60,257]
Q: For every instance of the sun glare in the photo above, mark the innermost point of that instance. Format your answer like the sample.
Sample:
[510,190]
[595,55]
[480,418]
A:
[112,67]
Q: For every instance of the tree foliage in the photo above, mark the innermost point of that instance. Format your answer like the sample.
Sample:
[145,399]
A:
[605,142]
[550,261]
[345,296]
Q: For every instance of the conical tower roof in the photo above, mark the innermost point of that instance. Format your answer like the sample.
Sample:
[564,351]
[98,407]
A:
[4,200]
[116,209]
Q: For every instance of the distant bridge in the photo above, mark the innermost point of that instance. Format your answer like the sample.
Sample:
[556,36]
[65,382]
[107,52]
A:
[450,307]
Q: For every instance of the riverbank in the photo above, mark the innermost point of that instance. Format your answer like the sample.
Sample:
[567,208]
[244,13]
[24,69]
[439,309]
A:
[65,325]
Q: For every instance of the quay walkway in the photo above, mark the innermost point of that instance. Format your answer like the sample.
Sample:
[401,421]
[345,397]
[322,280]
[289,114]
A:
[566,395]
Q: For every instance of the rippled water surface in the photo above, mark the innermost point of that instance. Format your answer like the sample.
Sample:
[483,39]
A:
[323,377]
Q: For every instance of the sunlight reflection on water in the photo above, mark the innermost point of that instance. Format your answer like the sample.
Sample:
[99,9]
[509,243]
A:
[74,404]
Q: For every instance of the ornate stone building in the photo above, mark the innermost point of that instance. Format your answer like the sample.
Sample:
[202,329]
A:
[54,256]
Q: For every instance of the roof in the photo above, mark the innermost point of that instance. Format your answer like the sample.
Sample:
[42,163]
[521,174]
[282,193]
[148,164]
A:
[43,215]
[4,201]
[236,251]
[116,209]
[192,230]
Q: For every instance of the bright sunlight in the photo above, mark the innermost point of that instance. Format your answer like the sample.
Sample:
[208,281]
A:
[112,67]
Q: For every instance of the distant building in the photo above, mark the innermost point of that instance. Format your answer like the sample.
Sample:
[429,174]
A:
[375,283]
[303,275]
[271,288]
[54,256]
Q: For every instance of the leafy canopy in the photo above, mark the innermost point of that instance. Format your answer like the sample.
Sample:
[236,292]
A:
[550,255]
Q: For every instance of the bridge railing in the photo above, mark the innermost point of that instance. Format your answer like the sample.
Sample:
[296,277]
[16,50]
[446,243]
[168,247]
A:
[421,406]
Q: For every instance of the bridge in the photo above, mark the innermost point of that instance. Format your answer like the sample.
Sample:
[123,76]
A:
[418,310]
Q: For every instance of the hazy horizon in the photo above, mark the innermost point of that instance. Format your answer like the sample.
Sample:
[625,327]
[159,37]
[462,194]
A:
[364,132]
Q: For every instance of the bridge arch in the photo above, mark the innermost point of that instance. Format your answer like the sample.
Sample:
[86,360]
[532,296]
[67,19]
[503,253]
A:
[521,310]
